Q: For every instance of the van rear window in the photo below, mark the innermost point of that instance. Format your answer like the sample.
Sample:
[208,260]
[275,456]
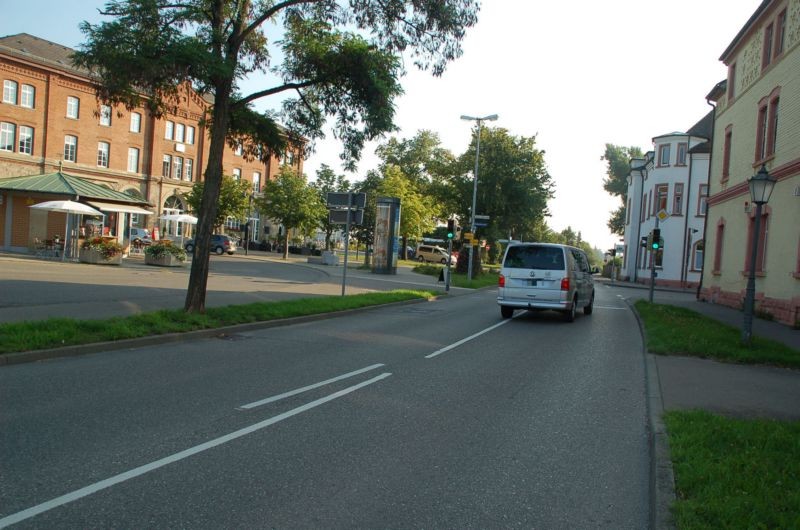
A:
[543,258]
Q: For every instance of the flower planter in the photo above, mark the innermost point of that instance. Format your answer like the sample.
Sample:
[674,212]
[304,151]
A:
[165,260]
[88,255]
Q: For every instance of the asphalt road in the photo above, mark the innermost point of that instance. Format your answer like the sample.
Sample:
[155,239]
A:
[416,416]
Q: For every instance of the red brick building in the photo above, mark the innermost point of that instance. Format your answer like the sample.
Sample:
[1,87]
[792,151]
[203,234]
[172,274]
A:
[50,121]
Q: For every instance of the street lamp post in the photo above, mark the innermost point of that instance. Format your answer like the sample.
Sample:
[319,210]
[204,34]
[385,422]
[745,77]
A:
[475,183]
[761,185]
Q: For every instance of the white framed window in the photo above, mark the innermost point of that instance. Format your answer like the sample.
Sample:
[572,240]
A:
[70,148]
[663,155]
[697,262]
[238,150]
[189,134]
[179,132]
[177,162]
[27,96]
[237,174]
[103,149]
[8,132]
[73,107]
[25,140]
[105,115]
[136,122]
[256,181]
[166,166]
[133,160]
[189,169]
[169,130]
[702,200]
[10,92]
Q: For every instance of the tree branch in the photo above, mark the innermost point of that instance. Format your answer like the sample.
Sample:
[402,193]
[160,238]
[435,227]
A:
[271,12]
[275,90]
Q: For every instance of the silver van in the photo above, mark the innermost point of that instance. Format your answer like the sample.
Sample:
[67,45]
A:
[545,276]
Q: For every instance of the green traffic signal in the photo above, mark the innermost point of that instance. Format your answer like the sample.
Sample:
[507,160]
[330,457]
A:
[451,228]
[656,241]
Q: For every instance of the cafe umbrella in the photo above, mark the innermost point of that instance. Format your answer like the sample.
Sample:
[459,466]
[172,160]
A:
[180,218]
[68,207]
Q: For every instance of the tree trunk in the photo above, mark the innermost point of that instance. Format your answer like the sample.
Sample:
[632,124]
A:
[209,204]
[286,244]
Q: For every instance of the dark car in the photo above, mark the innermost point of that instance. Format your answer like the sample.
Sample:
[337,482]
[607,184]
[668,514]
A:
[219,244]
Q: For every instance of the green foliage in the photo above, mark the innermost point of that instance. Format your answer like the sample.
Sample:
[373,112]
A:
[732,473]
[56,332]
[292,202]
[702,336]
[106,248]
[163,248]
[616,223]
[233,199]
[327,182]
[618,167]
[417,209]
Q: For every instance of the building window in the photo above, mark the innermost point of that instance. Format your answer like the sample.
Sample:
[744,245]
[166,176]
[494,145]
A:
[767,133]
[683,148]
[628,213]
[256,181]
[644,209]
[70,148]
[169,130]
[237,174]
[7,134]
[238,150]
[133,160]
[662,190]
[726,153]
[27,96]
[731,85]
[677,199]
[780,33]
[105,115]
[697,255]
[177,163]
[766,53]
[652,203]
[25,140]
[166,166]
[663,155]
[10,92]
[73,107]
[179,132]
[103,149]
[189,134]
[763,233]
[702,200]
[136,122]
[718,246]
[189,169]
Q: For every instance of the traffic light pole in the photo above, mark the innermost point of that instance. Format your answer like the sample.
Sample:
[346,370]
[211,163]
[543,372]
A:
[652,267]
[449,259]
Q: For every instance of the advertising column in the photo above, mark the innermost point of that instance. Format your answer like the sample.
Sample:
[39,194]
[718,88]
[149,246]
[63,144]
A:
[387,231]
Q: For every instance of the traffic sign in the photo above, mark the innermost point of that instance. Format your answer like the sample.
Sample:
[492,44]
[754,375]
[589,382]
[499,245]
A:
[339,217]
[662,215]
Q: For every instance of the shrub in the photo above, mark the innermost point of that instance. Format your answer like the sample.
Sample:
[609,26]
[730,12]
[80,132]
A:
[164,248]
[106,248]
[463,261]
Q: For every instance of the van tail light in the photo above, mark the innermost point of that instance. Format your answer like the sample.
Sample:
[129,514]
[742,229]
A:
[501,281]
[565,284]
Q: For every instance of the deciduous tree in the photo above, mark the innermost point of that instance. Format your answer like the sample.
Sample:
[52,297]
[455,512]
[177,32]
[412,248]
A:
[328,181]
[618,168]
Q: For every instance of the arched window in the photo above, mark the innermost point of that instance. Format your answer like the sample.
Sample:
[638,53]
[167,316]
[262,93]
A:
[173,204]
[697,255]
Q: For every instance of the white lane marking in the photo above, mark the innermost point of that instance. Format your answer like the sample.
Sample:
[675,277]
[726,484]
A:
[306,388]
[462,341]
[141,470]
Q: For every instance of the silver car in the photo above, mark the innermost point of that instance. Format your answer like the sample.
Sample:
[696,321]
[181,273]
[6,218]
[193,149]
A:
[545,276]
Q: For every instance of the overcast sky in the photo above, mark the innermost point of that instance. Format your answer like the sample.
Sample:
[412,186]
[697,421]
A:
[576,74]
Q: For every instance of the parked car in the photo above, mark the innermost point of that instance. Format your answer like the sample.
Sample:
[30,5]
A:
[545,276]
[431,253]
[220,244]
[141,235]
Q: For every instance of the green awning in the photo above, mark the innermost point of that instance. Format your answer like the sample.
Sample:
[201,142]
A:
[69,185]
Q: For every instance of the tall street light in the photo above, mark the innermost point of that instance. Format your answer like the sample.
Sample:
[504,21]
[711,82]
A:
[761,185]
[475,182]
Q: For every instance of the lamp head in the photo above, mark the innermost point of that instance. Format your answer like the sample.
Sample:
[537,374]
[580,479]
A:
[761,186]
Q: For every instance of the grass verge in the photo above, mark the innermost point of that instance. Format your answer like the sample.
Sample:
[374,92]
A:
[677,330]
[56,332]
[733,473]
[486,279]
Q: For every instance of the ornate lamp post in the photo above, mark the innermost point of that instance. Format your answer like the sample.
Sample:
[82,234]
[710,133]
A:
[475,182]
[761,185]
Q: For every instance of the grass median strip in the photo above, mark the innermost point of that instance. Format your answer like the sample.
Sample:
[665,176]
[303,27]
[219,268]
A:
[681,331]
[732,473]
[56,332]
[459,279]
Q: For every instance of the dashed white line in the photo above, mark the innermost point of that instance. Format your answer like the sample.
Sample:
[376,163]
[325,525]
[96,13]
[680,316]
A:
[462,341]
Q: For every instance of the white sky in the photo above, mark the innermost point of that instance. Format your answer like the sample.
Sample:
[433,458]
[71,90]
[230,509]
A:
[577,74]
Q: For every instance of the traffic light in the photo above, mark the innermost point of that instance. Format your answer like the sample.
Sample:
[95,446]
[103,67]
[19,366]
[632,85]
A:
[655,242]
[451,228]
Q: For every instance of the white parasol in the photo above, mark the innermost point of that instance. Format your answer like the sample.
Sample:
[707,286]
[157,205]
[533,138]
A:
[180,218]
[67,207]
